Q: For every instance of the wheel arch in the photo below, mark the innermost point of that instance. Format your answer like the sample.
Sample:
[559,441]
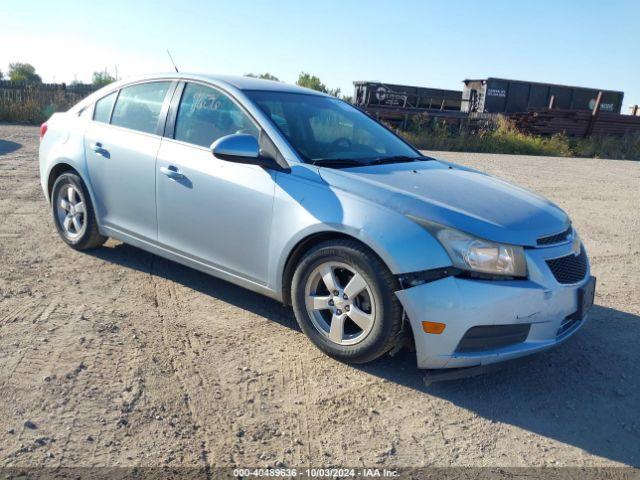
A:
[303,246]
[57,170]
[64,166]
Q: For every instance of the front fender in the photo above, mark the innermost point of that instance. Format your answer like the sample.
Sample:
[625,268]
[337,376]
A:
[305,205]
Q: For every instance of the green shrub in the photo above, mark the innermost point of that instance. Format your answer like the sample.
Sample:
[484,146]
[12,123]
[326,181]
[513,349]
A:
[623,148]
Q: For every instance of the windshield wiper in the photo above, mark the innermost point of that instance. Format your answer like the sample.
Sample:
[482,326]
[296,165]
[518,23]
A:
[350,162]
[397,159]
[337,162]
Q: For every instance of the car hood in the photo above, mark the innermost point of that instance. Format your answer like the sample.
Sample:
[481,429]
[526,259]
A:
[455,196]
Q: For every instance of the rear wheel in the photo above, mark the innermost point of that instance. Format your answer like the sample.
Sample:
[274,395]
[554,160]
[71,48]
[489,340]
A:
[73,213]
[343,298]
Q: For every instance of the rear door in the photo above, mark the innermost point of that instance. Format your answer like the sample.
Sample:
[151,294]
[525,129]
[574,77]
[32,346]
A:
[121,144]
[211,210]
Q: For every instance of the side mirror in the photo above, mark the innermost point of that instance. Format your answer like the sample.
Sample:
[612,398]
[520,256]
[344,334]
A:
[240,148]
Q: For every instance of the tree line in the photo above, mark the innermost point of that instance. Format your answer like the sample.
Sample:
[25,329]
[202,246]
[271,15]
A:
[25,72]
[305,80]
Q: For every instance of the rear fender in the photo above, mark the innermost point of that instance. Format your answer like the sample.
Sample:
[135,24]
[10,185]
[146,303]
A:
[63,144]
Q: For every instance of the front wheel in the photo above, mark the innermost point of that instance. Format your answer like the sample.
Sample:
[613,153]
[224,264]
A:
[344,301]
[73,213]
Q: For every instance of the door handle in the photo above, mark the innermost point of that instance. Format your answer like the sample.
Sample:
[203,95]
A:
[100,150]
[172,172]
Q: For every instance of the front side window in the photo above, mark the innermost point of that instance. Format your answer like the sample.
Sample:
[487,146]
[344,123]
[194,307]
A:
[103,108]
[325,128]
[138,107]
[206,114]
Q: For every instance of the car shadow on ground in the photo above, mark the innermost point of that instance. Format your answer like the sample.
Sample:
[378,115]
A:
[585,393]
[135,258]
[7,146]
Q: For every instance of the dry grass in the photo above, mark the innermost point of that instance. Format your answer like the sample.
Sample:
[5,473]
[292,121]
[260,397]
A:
[34,107]
[501,136]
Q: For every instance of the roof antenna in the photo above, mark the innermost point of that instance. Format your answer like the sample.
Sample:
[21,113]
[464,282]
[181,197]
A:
[171,58]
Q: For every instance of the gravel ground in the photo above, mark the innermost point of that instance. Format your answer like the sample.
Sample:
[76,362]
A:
[118,357]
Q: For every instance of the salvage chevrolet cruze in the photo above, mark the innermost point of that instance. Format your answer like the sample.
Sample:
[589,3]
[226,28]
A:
[304,198]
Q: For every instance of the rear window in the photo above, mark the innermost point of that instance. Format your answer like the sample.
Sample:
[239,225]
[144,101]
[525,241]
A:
[138,107]
[103,108]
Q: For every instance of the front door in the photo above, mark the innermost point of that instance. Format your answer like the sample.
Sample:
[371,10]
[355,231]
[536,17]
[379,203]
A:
[211,210]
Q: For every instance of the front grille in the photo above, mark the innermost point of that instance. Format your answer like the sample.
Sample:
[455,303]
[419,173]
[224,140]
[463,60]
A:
[489,337]
[569,269]
[553,239]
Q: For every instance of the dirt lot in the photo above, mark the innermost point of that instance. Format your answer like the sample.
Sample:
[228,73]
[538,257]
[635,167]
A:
[118,357]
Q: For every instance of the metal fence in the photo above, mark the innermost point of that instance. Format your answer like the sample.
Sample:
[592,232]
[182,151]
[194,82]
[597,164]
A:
[544,122]
[576,123]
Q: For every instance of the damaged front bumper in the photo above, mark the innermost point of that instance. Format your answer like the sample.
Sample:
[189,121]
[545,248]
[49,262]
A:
[546,310]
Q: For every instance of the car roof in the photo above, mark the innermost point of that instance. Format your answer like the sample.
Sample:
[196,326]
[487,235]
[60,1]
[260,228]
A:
[231,82]
[239,82]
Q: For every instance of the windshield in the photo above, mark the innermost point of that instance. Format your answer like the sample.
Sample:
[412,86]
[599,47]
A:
[324,128]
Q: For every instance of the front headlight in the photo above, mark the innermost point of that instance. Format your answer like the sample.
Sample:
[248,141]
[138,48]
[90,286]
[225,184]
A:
[477,255]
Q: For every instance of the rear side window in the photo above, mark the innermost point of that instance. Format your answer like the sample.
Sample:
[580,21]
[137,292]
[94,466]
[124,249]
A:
[206,114]
[138,107]
[104,107]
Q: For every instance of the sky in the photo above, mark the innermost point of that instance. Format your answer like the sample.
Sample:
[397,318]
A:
[591,43]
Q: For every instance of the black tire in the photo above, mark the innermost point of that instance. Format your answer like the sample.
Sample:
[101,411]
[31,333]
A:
[389,312]
[90,237]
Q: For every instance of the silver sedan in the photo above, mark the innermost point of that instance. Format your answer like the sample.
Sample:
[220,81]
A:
[304,198]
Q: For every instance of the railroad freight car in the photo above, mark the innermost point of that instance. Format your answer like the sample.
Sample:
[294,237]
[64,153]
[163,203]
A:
[499,95]
[386,95]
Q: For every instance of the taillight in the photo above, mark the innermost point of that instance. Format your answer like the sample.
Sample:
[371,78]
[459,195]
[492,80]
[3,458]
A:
[43,130]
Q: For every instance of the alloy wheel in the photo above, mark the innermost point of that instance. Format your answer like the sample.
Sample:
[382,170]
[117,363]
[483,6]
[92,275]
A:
[71,211]
[340,303]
